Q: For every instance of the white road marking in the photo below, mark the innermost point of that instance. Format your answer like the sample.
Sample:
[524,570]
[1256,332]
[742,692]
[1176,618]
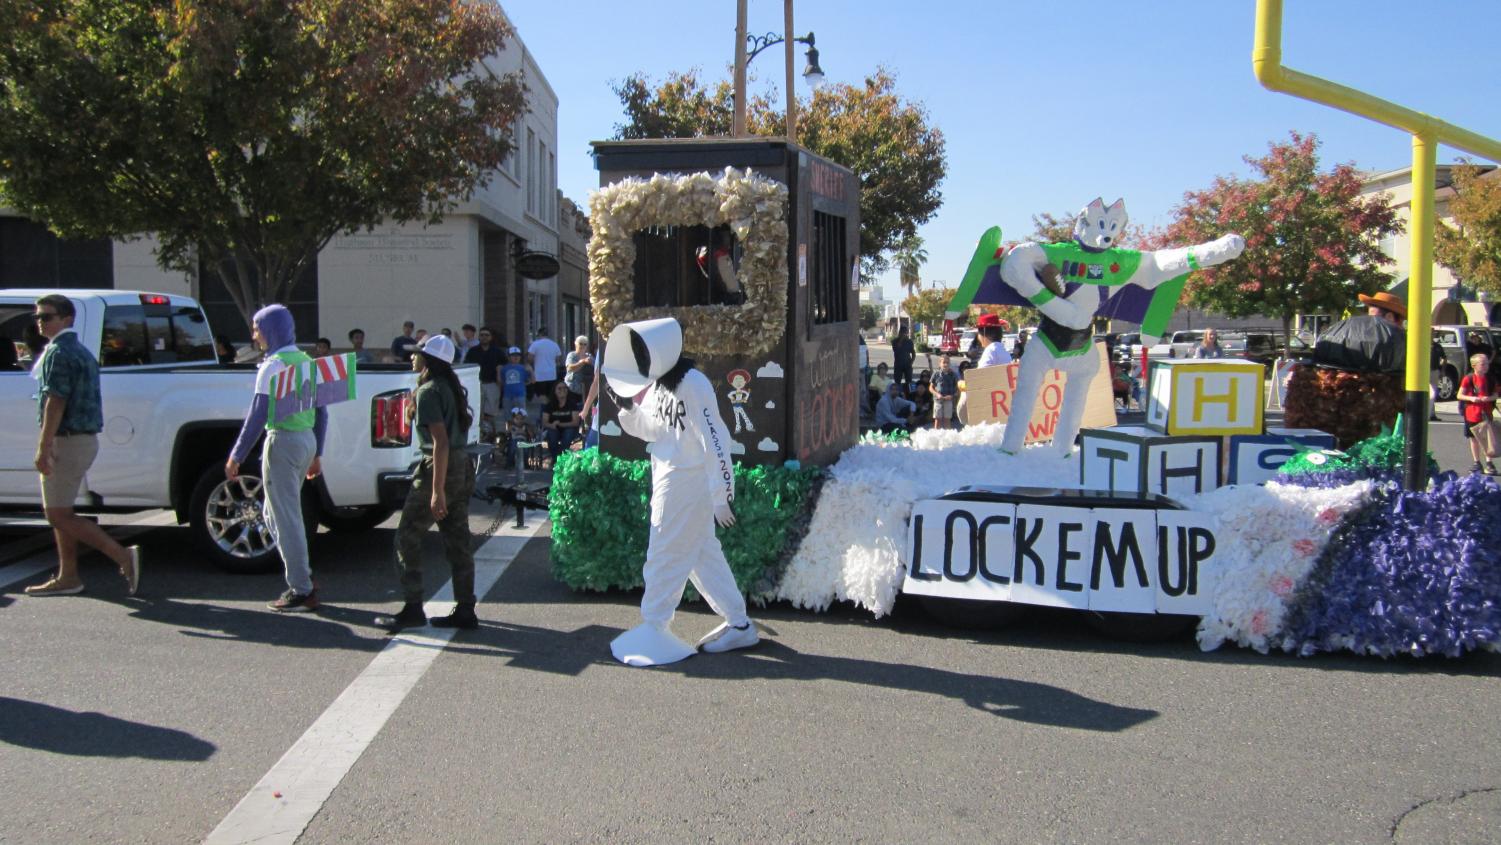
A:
[279,807]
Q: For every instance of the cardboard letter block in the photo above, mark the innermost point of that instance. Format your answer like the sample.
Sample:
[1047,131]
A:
[1255,458]
[1135,459]
[1217,397]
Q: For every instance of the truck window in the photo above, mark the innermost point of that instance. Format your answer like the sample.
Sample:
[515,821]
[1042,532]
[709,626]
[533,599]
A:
[15,354]
[123,341]
[154,334]
[185,335]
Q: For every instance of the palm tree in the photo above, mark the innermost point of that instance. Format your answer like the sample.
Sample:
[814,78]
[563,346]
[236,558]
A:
[910,257]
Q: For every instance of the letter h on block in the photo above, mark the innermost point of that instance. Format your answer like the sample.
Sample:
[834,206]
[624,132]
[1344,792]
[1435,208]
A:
[1206,397]
[1136,459]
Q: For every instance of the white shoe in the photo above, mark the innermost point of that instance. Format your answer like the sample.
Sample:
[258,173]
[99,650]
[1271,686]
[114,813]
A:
[648,645]
[728,638]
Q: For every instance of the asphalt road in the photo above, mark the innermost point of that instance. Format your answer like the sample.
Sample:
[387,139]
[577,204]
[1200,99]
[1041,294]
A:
[150,719]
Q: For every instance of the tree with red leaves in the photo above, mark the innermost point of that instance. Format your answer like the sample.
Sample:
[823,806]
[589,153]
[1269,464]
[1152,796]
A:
[1311,239]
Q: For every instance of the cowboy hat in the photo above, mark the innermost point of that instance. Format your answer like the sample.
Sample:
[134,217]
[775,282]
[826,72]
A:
[639,353]
[1386,302]
[989,320]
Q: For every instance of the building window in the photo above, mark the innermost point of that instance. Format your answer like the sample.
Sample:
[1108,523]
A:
[531,172]
[830,271]
[678,266]
[512,162]
[552,188]
[32,257]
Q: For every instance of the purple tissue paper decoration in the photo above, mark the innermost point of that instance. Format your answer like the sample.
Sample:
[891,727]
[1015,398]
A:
[1410,573]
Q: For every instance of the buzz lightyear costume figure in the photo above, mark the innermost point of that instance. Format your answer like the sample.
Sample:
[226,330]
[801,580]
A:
[668,403]
[1070,284]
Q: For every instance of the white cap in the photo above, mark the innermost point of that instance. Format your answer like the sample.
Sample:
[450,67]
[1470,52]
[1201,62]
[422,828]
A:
[440,347]
[639,353]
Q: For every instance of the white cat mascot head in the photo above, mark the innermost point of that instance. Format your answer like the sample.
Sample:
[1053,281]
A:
[1100,226]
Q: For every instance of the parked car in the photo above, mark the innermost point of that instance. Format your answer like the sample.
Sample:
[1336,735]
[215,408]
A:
[1459,343]
[1263,347]
[1182,343]
[172,412]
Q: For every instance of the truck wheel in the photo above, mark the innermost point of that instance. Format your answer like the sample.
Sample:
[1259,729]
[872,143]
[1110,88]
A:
[1141,627]
[353,520]
[229,522]
[972,614]
[1448,384]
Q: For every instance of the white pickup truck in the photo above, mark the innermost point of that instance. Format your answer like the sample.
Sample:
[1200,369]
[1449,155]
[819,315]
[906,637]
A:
[171,413]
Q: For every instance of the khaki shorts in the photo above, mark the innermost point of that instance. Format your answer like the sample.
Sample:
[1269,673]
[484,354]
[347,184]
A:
[71,458]
[943,409]
[489,394]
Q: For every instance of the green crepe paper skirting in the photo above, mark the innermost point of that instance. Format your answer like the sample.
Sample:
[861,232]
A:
[601,507]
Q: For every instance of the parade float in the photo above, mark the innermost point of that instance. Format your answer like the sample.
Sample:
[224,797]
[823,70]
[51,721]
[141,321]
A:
[1262,537]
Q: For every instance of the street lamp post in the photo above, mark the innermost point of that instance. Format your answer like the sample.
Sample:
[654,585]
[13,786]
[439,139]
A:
[747,47]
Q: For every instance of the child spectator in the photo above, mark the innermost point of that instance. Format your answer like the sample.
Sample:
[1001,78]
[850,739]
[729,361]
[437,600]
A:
[514,377]
[1477,397]
[519,429]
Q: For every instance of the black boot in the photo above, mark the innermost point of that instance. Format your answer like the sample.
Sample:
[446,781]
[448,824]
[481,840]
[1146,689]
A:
[462,617]
[411,616]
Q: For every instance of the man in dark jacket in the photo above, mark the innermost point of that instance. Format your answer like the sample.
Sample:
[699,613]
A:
[903,353]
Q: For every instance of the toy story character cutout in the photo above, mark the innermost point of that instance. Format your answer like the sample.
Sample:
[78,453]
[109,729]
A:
[738,397]
[1071,284]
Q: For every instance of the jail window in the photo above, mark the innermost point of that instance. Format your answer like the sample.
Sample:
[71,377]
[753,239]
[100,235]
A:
[678,266]
[829,282]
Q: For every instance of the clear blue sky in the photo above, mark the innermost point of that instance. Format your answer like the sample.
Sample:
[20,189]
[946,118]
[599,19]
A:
[1046,105]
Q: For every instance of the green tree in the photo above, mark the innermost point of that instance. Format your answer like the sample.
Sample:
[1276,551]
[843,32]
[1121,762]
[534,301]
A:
[247,133]
[1311,239]
[868,128]
[870,315]
[927,307]
[909,259]
[1472,249]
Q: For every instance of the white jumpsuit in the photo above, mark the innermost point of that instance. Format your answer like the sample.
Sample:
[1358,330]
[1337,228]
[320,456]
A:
[691,474]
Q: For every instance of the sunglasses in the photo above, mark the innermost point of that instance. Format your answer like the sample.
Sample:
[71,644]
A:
[45,316]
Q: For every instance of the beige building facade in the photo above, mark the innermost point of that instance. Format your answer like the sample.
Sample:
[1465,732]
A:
[1453,303]
[460,270]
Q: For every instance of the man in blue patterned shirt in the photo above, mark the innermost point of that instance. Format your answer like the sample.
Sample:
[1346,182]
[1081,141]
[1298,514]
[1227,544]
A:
[71,415]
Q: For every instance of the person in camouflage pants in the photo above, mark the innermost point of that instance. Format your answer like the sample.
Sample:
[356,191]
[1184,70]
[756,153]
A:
[417,518]
[440,490]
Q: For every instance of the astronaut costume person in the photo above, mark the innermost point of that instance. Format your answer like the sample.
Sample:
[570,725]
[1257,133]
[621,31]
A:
[1069,283]
[669,404]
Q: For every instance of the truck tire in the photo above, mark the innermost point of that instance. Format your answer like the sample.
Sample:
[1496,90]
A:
[1447,384]
[1141,627]
[972,614]
[353,520]
[229,524]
